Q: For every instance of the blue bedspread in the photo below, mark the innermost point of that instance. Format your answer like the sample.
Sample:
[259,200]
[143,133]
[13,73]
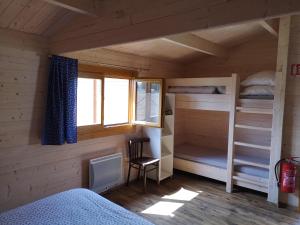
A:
[76,206]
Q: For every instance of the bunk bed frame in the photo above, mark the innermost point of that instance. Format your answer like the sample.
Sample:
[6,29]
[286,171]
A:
[231,103]
[215,102]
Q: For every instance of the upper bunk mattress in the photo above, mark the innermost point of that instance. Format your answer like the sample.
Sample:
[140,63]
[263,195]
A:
[218,158]
[77,206]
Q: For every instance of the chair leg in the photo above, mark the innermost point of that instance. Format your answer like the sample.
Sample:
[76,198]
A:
[128,176]
[157,174]
[145,180]
[139,173]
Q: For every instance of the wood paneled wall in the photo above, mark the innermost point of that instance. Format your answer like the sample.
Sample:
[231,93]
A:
[255,55]
[202,128]
[146,67]
[28,170]
[291,145]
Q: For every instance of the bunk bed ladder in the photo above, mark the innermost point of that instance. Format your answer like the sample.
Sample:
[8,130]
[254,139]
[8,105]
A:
[231,146]
[233,160]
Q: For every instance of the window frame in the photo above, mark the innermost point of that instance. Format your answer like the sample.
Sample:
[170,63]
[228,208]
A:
[100,130]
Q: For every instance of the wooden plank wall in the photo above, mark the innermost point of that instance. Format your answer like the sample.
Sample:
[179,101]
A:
[146,67]
[291,145]
[255,55]
[28,170]
[201,128]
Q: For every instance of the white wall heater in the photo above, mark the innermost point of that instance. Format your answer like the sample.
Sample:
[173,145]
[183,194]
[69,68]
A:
[105,172]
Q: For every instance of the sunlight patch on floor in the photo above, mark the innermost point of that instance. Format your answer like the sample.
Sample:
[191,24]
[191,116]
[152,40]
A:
[176,200]
[163,208]
[182,195]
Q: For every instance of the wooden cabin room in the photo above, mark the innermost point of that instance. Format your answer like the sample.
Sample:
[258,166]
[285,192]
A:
[149,112]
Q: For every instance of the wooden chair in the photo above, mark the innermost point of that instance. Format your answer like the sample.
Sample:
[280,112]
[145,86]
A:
[138,161]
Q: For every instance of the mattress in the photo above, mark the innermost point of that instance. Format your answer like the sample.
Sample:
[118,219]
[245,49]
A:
[76,206]
[218,158]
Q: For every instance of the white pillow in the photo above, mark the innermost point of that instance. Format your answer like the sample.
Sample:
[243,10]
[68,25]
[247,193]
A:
[260,78]
[221,89]
[259,90]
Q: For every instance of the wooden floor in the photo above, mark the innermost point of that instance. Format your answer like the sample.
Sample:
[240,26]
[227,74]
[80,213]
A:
[190,199]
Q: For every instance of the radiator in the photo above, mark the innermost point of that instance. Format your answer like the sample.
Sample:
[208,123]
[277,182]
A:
[105,172]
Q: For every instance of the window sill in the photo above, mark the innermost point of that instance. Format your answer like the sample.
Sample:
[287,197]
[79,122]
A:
[97,131]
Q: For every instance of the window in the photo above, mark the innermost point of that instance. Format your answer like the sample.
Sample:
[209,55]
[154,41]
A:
[148,101]
[88,101]
[111,101]
[116,101]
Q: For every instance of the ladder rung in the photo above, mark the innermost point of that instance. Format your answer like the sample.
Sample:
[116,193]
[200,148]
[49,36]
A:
[249,163]
[252,145]
[251,177]
[253,127]
[254,110]
[262,184]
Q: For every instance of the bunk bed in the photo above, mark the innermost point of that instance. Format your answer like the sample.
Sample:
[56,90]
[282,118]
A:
[237,164]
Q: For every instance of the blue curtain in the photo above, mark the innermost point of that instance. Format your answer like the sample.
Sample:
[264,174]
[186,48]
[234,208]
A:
[61,113]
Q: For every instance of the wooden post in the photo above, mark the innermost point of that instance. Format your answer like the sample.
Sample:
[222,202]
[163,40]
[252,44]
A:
[278,106]
[230,155]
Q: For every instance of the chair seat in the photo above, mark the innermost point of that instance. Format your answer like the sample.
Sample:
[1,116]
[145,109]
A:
[144,161]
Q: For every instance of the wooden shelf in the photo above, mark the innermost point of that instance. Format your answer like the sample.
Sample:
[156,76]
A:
[252,127]
[252,145]
[249,163]
[254,110]
[165,174]
[165,154]
[166,134]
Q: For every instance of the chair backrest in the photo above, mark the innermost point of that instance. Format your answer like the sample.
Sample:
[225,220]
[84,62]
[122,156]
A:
[135,147]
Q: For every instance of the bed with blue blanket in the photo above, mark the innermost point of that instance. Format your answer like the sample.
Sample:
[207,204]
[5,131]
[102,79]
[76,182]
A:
[76,206]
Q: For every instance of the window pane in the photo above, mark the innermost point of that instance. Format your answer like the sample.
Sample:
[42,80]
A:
[88,101]
[116,100]
[141,101]
[148,101]
[155,101]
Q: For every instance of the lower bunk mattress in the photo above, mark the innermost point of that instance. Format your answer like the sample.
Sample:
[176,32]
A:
[218,158]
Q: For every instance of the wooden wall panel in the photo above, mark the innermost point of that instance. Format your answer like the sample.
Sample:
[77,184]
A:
[146,67]
[253,56]
[28,170]
[202,128]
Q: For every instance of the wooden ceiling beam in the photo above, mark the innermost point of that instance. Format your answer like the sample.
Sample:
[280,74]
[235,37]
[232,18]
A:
[196,43]
[132,24]
[271,26]
[86,7]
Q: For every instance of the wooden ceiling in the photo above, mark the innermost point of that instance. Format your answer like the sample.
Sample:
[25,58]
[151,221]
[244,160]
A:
[33,16]
[47,17]
[158,49]
[224,37]
[230,36]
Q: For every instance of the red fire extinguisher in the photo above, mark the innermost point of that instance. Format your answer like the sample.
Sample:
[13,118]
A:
[287,176]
